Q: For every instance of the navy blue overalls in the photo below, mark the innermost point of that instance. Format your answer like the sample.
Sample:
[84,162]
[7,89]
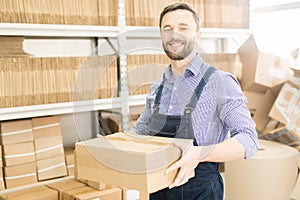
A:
[207,183]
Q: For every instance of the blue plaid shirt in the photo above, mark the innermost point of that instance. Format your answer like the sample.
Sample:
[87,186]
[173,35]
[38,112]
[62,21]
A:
[220,111]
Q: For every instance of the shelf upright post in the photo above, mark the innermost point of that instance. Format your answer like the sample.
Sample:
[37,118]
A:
[123,89]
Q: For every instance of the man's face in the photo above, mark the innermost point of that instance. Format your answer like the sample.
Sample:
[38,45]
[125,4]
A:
[179,34]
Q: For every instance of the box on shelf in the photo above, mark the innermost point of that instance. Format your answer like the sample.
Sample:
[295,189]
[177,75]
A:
[229,62]
[62,186]
[20,175]
[48,147]
[36,193]
[262,70]
[20,153]
[16,131]
[44,127]
[87,193]
[69,157]
[1,155]
[51,168]
[136,162]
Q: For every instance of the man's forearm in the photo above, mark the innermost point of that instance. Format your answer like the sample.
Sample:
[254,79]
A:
[227,150]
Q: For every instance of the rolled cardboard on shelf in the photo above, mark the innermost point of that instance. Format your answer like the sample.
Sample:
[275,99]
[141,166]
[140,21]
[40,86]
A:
[270,174]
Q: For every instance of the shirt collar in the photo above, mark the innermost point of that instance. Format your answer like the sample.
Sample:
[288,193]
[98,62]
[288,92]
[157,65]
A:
[192,69]
[194,66]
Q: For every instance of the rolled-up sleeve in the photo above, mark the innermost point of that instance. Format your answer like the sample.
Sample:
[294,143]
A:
[236,116]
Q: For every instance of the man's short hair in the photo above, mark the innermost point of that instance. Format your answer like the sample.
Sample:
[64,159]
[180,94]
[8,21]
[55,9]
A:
[180,6]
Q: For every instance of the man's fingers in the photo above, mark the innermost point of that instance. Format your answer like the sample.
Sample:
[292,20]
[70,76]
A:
[181,178]
[173,167]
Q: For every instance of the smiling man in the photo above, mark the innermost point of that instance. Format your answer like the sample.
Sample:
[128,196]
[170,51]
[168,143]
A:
[195,100]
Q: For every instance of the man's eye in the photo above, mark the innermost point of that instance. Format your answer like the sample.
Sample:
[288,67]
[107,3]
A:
[184,28]
[167,30]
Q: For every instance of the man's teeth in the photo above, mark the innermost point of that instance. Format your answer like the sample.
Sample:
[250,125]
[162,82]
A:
[175,44]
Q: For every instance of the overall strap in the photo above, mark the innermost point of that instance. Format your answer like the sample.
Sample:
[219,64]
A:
[192,104]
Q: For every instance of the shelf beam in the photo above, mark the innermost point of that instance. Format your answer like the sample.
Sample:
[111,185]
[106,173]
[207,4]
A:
[58,108]
[54,30]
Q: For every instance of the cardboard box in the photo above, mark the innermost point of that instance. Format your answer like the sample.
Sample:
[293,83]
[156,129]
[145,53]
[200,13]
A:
[20,153]
[262,70]
[270,174]
[51,168]
[254,100]
[16,131]
[48,147]
[261,117]
[96,185]
[286,108]
[37,193]
[44,127]
[129,194]
[62,186]
[136,162]
[2,185]
[87,193]
[69,157]
[20,175]
[1,155]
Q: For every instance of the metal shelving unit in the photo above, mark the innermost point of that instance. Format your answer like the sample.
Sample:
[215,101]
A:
[122,33]
[124,101]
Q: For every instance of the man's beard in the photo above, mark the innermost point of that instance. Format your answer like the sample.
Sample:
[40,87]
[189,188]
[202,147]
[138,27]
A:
[184,53]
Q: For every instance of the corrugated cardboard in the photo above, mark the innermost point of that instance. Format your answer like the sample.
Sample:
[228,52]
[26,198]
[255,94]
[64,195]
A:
[51,168]
[126,161]
[87,193]
[37,193]
[44,127]
[262,70]
[270,174]
[16,154]
[49,147]
[16,131]
[62,186]
[69,157]
[20,175]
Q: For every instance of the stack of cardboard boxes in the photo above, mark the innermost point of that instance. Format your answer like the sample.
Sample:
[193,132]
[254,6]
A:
[49,148]
[32,151]
[266,79]
[18,153]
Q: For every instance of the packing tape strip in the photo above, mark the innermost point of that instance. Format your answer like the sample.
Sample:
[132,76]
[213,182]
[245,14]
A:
[46,126]
[16,132]
[49,148]
[19,155]
[20,176]
[52,167]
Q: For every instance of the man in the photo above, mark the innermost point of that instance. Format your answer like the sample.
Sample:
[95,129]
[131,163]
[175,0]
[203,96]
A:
[194,100]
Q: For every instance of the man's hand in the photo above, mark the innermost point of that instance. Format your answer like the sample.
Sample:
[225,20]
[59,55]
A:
[187,163]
